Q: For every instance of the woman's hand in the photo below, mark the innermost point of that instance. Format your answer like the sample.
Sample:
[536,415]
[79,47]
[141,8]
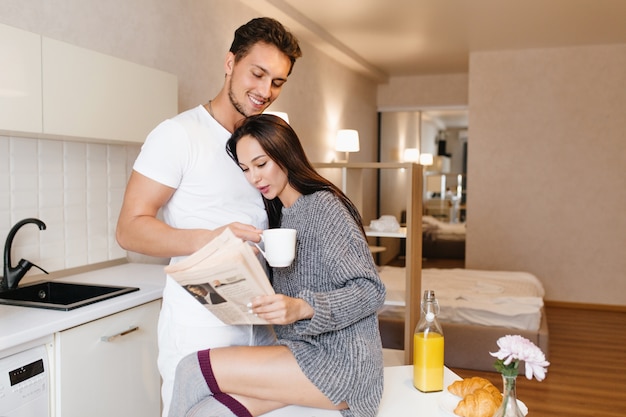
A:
[280,309]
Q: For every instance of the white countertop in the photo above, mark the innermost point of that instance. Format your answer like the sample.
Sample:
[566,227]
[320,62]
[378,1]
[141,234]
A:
[22,325]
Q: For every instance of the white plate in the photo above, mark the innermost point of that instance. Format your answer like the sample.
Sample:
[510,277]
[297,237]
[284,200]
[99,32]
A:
[448,403]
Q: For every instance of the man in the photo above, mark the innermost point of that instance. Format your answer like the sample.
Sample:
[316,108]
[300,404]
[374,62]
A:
[184,170]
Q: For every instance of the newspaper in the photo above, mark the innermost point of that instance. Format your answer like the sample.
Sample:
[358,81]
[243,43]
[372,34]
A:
[223,276]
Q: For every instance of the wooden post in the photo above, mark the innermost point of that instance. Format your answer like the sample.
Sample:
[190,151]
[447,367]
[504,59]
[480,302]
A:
[413,257]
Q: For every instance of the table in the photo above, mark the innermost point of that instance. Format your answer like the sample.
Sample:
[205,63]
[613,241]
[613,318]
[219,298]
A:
[400,398]
[377,249]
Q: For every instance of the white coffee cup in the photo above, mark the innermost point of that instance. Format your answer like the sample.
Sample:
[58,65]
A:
[279,246]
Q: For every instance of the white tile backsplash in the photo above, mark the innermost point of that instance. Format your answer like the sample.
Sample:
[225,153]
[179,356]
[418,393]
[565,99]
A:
[24,179]
[5,182]
[75,188]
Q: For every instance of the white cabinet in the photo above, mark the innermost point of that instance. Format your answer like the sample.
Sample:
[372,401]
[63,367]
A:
[108,367]
[20,80]
[87,94]
[50,88]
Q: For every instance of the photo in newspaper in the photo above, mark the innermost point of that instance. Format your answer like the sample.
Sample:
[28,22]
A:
[224,276]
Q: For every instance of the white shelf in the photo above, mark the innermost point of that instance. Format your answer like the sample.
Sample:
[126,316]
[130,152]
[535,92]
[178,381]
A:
[401,233]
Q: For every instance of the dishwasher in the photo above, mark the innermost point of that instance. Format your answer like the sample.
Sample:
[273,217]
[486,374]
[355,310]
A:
[25,384]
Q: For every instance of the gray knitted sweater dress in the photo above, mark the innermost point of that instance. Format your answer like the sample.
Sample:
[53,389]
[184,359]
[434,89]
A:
[339,349]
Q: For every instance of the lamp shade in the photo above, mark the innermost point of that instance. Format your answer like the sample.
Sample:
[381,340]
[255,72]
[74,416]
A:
[347,140]
[426,159]
[280,114]
[411,155]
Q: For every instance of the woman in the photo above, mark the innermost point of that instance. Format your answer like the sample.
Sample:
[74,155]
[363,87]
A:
[328,352]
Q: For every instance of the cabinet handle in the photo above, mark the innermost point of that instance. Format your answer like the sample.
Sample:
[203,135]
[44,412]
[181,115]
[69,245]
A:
[124,333]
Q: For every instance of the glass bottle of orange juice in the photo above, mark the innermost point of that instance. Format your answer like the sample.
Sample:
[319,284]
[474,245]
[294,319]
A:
[428,347]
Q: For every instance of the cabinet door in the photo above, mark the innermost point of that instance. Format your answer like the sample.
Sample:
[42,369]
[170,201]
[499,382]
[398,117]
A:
[20,80]
[108,367]
[87,94]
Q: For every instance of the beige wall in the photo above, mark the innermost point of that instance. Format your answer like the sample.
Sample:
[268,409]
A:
[426,91]
[547,179]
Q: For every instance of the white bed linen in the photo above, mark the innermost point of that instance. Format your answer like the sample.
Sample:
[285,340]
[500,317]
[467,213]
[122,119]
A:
[449,228]
[436,229]
[490,298]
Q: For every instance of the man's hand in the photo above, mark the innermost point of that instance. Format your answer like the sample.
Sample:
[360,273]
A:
[243,231]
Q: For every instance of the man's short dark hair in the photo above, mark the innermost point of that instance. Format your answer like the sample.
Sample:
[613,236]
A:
[266,30]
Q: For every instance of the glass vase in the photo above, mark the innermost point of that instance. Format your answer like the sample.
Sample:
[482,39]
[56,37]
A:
[509,406]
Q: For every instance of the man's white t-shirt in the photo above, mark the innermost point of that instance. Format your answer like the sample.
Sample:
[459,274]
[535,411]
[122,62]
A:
[188,153]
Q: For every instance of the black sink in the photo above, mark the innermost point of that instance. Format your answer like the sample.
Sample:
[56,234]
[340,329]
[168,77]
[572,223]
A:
[60,295]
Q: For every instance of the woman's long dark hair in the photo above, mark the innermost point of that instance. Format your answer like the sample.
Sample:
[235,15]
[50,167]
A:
[282,145]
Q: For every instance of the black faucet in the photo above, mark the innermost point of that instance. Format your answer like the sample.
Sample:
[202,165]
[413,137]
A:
[13,275]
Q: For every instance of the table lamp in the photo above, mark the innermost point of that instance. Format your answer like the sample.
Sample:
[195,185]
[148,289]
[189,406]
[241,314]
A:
[347,141]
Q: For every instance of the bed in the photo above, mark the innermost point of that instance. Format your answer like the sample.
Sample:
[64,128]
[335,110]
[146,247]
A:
[477,307]
[441,240]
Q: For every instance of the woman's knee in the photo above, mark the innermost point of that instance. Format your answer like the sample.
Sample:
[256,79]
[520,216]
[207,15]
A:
[187,365]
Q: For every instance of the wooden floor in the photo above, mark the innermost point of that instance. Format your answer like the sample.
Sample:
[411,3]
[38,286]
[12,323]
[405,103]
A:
[587,372]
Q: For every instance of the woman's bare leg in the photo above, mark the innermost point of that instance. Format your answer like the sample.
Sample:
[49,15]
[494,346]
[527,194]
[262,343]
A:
[264,378]
[258,407]
[212,406]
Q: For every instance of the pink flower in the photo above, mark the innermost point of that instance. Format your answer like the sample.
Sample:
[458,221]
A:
[514,349]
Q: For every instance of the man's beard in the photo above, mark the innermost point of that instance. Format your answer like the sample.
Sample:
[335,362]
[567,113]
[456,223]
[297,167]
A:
[233,100]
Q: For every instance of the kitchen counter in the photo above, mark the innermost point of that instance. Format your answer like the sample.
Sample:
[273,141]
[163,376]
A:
[23,325]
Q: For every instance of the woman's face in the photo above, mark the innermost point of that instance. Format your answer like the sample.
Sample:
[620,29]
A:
[262,172]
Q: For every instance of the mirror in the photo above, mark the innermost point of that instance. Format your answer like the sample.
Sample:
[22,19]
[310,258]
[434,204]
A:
[443,133]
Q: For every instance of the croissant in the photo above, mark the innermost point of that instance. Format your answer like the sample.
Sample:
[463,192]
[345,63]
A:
[468,385]
[478,404]
[495,394]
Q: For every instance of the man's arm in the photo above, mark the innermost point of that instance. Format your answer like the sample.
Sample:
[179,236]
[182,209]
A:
[139,230]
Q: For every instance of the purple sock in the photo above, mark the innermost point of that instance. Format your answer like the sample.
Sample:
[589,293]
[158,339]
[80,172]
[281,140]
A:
[204,359]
